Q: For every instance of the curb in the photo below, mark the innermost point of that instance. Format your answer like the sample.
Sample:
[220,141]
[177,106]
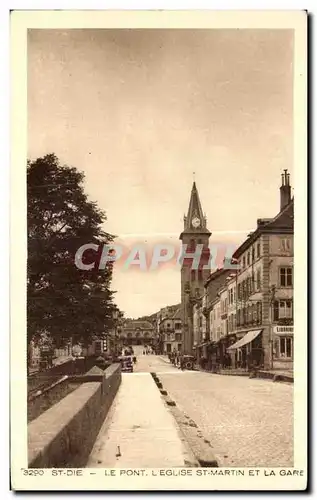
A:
[275,377]
[200,447]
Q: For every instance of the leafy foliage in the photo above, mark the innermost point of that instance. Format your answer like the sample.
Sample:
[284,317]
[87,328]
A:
[63,300]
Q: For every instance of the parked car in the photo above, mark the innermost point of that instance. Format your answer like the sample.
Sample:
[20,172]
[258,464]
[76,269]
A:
[126,364]
[187,362]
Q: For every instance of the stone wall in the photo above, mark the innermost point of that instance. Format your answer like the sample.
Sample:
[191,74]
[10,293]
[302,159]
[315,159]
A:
[64,435]
[39,403]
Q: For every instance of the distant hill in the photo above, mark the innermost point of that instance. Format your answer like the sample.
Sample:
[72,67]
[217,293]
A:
[152,318]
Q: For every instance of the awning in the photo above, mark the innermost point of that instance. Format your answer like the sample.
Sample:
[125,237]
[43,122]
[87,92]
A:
[203,345]
[247,339]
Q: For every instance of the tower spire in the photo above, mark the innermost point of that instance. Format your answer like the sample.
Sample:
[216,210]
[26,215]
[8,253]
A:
[195,221]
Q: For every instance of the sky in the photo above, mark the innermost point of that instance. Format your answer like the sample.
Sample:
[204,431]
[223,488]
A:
[144,112]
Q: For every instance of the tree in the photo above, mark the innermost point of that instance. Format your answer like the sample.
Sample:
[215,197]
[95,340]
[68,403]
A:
[62,300]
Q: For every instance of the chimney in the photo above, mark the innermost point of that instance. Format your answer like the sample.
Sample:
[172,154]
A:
[285,190]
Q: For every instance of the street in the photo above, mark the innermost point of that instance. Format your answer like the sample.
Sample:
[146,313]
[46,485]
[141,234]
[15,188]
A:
[249,422]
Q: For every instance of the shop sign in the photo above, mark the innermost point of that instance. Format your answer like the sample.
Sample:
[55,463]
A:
[284,330]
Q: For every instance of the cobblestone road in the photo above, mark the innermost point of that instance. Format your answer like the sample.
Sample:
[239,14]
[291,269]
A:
[249,422]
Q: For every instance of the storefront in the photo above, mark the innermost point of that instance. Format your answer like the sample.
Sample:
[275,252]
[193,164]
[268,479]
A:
[247,351]
[283,347]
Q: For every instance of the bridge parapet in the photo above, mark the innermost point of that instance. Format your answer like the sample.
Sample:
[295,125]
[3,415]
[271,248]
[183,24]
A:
[64,435]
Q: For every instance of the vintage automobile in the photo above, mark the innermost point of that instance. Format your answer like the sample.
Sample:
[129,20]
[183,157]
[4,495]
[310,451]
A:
[187,362]
[126,364]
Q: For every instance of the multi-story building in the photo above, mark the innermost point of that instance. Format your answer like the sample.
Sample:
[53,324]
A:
[170,330]
[167,334]
[264,290]
[207,309]
[136,332]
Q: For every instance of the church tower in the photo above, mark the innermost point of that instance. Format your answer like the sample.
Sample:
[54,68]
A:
[192,280]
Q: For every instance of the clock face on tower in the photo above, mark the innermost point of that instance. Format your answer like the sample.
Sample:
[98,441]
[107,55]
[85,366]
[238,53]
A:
[196,222]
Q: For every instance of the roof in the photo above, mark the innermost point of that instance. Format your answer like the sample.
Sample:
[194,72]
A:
[216,274]
[177,314]
[142,325]
[169,312]
[283,223]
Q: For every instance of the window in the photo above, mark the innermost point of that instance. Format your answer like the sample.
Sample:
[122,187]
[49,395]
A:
[254,314]
[178,326]
[243,263]
[286,276]
[248,259]
[245,315]
[286,347]
[249,314]
[242,316]
[286,245]
[259,312]
[178,337]
[242,290]
[193,275]
[285,309]
[238,317]
[258,279]
[200,274]
[258,250]
[249,286]
[253,254]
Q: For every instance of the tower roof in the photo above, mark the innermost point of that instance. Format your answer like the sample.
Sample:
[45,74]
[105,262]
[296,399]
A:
[195,221]
[194,208]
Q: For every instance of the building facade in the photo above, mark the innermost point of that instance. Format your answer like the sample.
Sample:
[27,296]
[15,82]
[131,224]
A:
[264,308]
[136,332]
[211,305]
[170,330]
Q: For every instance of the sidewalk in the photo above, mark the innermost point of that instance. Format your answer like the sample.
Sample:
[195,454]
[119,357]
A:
[139,430]
[286,376]
[164,358]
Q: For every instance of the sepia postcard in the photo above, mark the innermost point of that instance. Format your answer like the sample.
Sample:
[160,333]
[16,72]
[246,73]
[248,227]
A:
[158,250]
